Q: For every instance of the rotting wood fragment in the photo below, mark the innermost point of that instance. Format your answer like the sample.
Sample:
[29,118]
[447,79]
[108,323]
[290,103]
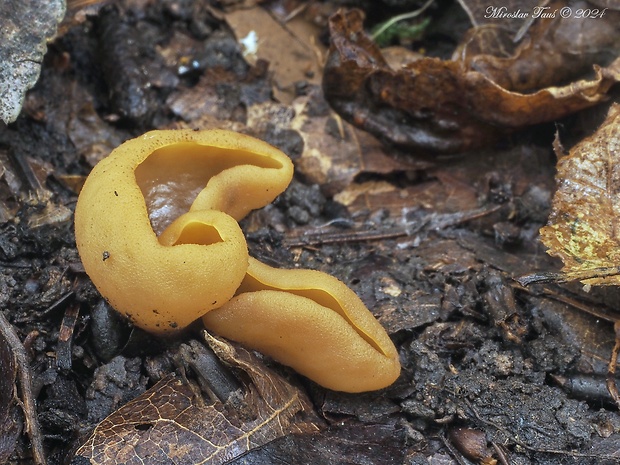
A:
[65,336]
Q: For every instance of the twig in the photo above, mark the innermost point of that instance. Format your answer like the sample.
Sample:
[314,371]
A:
[527,24]
[453,452]
[26,171]
[500,453]
[564,277]
[25,384]
[65,337]
[431,221]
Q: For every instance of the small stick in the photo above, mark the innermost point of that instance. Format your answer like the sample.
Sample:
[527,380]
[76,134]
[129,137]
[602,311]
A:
[564,277]
[453,452]
[65,337]
[432,221]
[500,453]
[25,384]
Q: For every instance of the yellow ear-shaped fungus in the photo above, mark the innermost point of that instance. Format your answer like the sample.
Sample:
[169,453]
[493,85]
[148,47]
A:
[180,185]
[311,322]
[156,228]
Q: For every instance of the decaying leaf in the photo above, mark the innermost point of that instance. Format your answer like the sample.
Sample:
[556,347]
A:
[342,445]
[290,58]
[334,151]
[374,195]
[91,135]
[331,152]
[584,225]
[438,106]
[170,423]
[26,26]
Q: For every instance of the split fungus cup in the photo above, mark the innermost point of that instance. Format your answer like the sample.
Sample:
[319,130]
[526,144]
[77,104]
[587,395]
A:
[156,228]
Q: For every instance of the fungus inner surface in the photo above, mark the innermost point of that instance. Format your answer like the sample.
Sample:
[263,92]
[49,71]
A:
[172,177]
[198,233]
[253,284]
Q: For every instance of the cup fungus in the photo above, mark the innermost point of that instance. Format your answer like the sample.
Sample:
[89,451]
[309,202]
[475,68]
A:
[188,188]
[156,228]
[311,322]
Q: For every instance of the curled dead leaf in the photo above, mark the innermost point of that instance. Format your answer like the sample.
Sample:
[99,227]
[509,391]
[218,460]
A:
[431,105]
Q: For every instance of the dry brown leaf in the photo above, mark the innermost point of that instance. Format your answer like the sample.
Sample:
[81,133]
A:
[93,138]
[438,106]
[346,444]
[335,152]
[584,225]
[290,57]
[373,195]
[170,424]
[202,100]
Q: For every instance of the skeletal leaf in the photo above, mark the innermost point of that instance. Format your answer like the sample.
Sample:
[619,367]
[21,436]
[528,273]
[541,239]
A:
[172,424]
[542,53]
[584,225]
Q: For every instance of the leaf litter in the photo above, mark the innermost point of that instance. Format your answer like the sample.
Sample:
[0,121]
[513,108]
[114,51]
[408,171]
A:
[583,224]
[443,106]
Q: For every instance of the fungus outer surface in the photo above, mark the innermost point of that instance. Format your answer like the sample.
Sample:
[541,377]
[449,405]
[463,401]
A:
[156,228]
[166,267]
[311,322]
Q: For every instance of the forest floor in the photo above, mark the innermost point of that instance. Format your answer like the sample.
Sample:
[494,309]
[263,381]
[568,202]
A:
[492,371]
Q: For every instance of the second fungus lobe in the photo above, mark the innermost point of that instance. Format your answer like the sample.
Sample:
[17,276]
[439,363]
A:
[312,322]
[166,206]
